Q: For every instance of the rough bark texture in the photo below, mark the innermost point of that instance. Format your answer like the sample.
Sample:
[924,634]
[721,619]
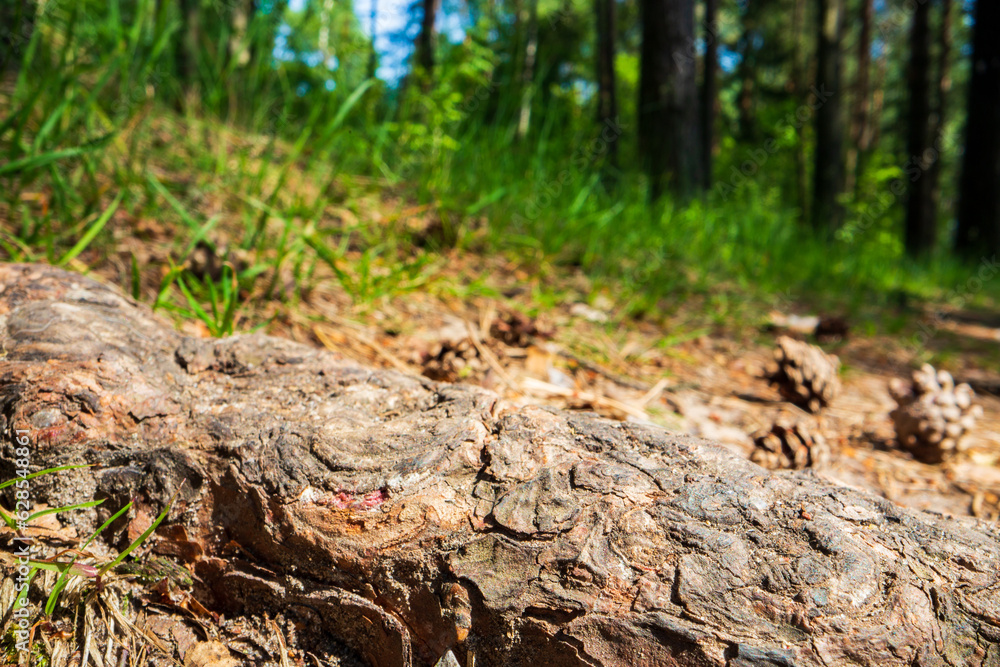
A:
[407,517]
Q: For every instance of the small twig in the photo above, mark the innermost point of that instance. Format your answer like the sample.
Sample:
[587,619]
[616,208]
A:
[363,340]
[285,662]
[594,399]
[600,370]
[493,362]
[654,393]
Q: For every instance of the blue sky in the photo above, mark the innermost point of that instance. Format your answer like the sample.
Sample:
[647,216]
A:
[390,24]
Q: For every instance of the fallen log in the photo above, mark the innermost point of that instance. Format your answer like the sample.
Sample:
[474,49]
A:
[404,517]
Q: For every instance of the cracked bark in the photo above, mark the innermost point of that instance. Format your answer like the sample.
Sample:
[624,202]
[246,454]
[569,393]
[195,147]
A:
[405,517]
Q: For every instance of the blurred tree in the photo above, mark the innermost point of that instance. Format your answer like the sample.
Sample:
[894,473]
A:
[828,177]
[979,205]
[942,91]
[709,90]
[373,28]
[425,38]
[747,74]
[607,99]
[861,101]
[920,217]
[17,22]
[529,18]
[669,135]
[799,93]
[186,50]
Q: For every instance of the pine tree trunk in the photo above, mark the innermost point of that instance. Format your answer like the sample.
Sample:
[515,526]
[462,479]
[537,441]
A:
[425,39]
[373,56]
[709,90]
[942,90]
[17,23]
[747,74]
[528,72]
[979,208]
[799,94]
[829,171]
[862,94]
[669,135]
[919,227]
[186,57]
[607,98]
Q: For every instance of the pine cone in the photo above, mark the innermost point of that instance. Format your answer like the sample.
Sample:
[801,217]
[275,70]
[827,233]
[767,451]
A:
[932,414]
[790,446]
[453,360]
[804,374]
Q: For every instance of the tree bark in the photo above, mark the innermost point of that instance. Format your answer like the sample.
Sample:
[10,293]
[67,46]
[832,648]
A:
[862,99]
[979,208]
[828,176]
[607,96]
[709,91]
[405,518]
[920,225]
[425,38]
[669,135]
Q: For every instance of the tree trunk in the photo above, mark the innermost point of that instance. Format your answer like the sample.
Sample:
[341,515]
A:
[920,217]
[186,56]
[878,103]
[528,70]
[942,91]
[373,56]
[17,23]
[862,101]
[709,91]
[425,39]
[325,19]
[979,209]
[828,177]
[403,518]
[746,100]
[607,97]
[799,94]
[669,135]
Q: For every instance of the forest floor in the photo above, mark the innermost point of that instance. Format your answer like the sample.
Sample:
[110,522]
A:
[548,336]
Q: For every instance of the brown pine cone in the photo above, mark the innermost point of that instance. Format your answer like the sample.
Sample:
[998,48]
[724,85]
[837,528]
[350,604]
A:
[790,447]
[804,374]
[932,414]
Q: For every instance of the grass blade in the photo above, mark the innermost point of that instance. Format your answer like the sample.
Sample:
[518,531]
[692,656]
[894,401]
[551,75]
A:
[94,230]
